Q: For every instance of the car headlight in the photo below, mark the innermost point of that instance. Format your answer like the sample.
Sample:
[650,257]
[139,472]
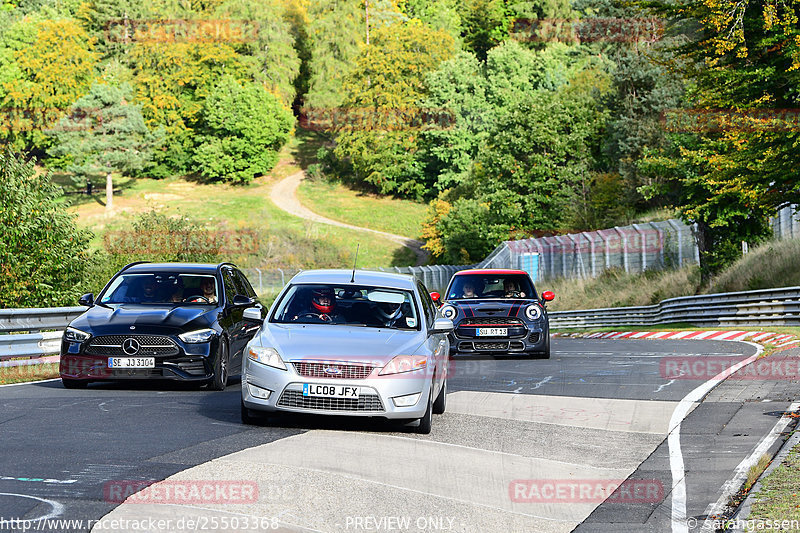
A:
[449,312]
[195,337]
[404,363]
[533,312]
[75,335]
[266,356]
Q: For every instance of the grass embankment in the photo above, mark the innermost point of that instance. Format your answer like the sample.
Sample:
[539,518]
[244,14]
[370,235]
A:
[292,242]
[340,202]
[779,497]
[770,265]
[20,374]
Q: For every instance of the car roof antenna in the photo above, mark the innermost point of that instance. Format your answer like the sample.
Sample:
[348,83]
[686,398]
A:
[353,277]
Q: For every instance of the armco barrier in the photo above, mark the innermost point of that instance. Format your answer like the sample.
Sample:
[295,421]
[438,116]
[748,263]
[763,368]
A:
[37,319]
[30,345]
[768,307]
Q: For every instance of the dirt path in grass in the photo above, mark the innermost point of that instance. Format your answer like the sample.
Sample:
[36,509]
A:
[284,195]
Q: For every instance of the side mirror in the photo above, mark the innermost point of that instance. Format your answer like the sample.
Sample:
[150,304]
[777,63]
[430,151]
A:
[87,300]
[548,296]
[241,301]
[253,313]
[436,297]
[442,325]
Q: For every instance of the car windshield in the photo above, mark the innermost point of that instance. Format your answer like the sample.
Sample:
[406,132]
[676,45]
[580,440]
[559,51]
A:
[161,288]
[479,286]
[350,305]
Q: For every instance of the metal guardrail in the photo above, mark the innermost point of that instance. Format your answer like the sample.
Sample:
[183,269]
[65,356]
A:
[37,319]
[30,345]
[768,307]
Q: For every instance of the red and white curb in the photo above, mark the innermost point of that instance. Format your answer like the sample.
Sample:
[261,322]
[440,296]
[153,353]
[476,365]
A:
[781,340]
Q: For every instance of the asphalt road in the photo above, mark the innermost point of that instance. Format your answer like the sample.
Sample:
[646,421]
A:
[595,414]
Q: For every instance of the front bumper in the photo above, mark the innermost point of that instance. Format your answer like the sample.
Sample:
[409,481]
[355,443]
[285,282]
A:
[192,363]
[523,341]
[376,393]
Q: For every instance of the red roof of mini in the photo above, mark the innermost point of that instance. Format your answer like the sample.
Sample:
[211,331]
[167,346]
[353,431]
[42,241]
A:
[490,271]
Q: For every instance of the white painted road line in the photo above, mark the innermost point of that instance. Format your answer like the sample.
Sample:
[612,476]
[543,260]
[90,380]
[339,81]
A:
[740,474]
[676,463]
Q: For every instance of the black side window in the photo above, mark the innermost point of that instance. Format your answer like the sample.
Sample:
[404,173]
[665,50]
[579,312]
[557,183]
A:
[229,284]
[427,304]
[247,289]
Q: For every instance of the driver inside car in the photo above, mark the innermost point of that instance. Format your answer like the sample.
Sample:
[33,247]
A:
[323,306]
[511,289]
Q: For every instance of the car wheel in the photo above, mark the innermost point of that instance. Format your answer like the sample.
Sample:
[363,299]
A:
[249,417]
[441,401]
[220,379]
[546,353]
[426,422]
[74,383]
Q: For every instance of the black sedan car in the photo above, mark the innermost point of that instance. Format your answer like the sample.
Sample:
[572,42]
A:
[162,321]
[497,312]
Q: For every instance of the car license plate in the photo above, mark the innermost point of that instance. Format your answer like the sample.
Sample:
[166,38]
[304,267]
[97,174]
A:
[330,391]
[131,362]
[492,332]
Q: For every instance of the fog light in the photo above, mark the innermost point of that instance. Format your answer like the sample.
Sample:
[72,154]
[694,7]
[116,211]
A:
[258,392]
[406,401]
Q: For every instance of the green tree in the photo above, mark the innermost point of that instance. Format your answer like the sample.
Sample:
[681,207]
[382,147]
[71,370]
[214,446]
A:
[389,79]
[268,45]
[43,255]
[45,67]
[731,170]
[336,32]
[104,133]
[243,129]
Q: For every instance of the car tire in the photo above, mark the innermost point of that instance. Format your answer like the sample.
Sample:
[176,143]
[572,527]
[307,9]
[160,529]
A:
[74,383]
[220,379]
[440,404]
[546,353]
[249,417]
[426,422]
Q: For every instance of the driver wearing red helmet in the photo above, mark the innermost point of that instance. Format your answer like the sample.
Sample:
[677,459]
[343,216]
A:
[323,306]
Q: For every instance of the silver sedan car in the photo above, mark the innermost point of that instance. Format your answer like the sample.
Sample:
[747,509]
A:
[355,343]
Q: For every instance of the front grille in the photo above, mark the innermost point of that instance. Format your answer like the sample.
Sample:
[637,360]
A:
[196,368]
[364,403]
[111,345]
[491,346]
[317,370]
[491,321]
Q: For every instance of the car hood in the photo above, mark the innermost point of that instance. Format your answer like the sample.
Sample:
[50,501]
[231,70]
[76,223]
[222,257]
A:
[151,318]
[340,343]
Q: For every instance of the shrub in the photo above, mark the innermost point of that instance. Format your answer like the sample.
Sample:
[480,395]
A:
[44,257]
[244,127]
